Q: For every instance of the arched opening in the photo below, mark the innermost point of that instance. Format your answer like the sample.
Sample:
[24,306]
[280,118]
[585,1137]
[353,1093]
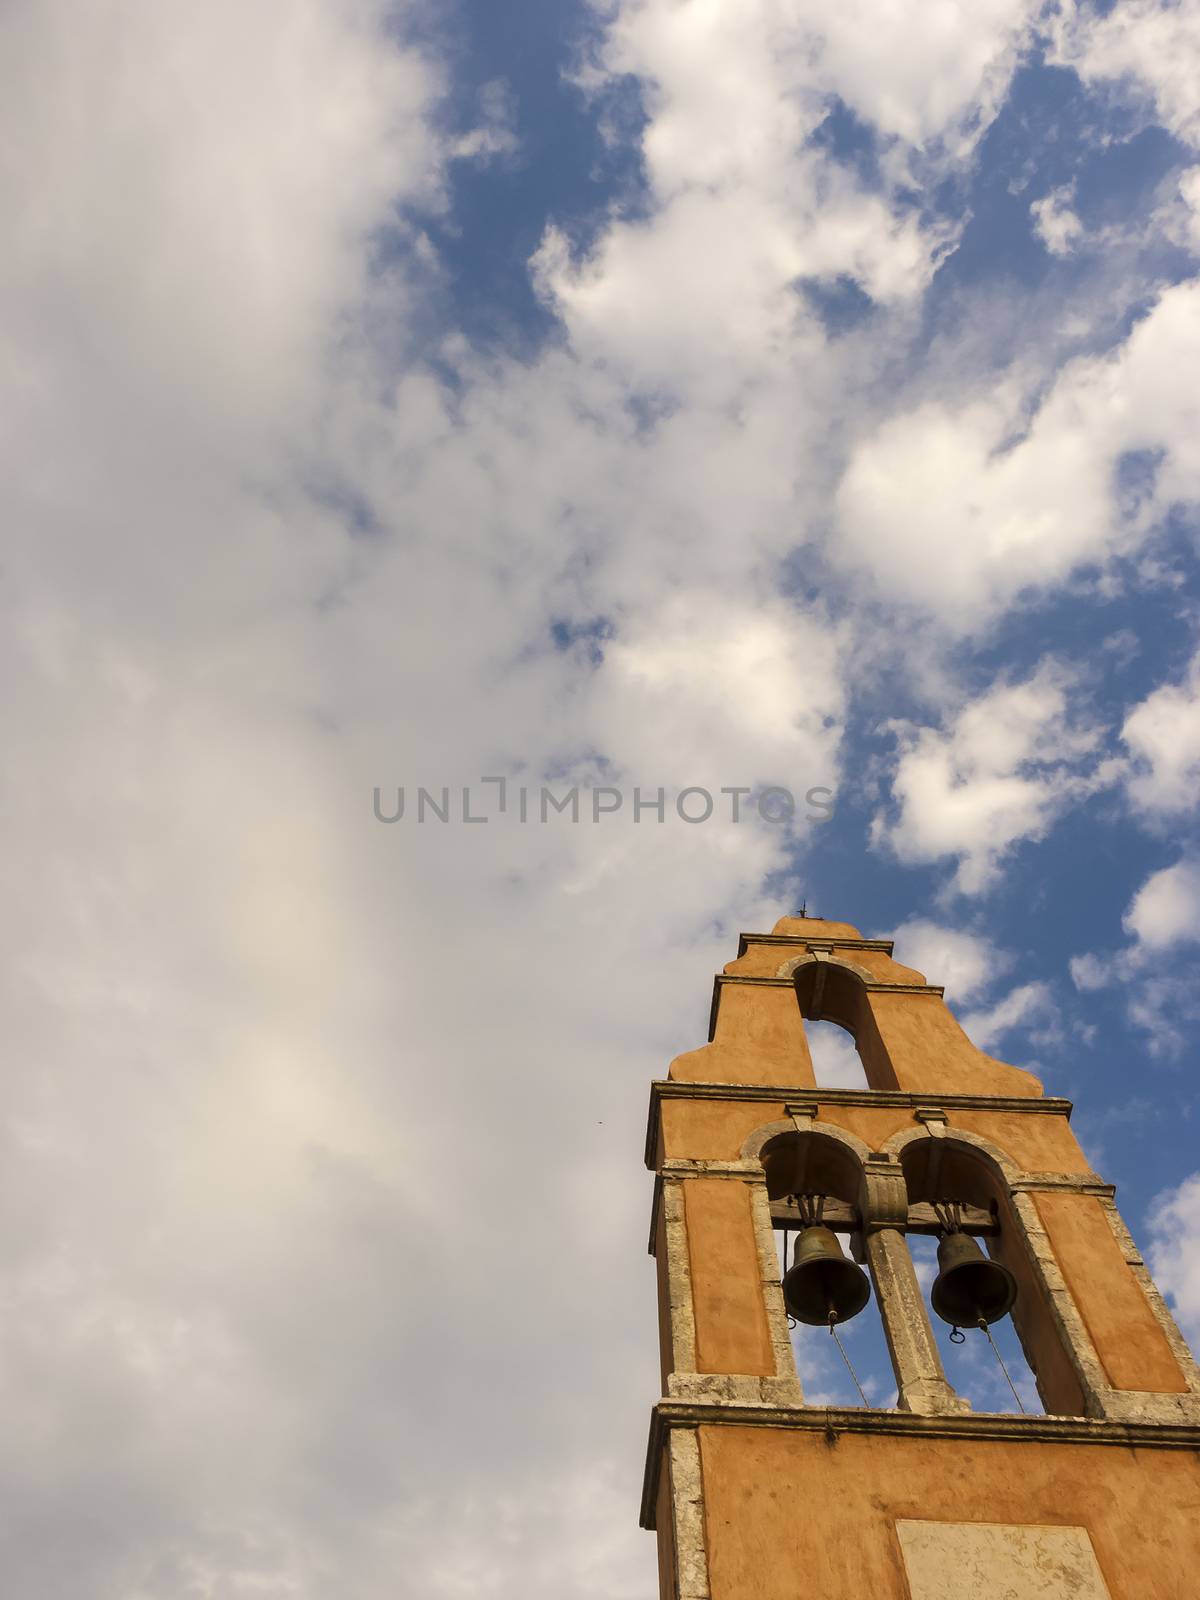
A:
[816,1164]
[970,1366]
[835,1058]
[945,1171]
[829,992]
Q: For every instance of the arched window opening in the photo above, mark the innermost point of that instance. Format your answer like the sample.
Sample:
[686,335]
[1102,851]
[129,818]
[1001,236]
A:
[827,991]
[836,1061]
[823,1374]
[947,1173]
[813,1184]
[970,1365]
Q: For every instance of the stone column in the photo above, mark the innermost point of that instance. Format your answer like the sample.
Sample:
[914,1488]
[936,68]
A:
[920,1378]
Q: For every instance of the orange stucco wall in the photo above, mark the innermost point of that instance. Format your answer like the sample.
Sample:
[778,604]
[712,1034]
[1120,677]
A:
[790,1514]
[759,1039]
[1057,1380]
[712,1130]
[731,1317]
[1037,1143]
[929,1050]
[906,1040]
[814,928]
[1129,1341]
[882,968]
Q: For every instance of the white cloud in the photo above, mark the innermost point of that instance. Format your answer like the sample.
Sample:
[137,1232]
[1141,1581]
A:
[1175,1251]
[1189,205]
[495,133]
[712,689]
[1166,909]
[1027,1004]
[1002,770]
[1162,734]
[1090,972]
[1152,974]
[921,75]
[199,208]
[999,501]
[836,1061]
[733,95]
[963,963]
[261,561]
[289,1089]
[1152,46]
[1055,224]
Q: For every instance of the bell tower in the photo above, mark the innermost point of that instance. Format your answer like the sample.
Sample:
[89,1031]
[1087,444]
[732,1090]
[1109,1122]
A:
[758,1495]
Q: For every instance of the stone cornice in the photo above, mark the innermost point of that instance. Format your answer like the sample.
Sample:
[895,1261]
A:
[673,1089]
[826,941]
[832,1421]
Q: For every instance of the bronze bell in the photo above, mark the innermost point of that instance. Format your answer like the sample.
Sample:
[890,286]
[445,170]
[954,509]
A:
[822,1285]
[970,1287]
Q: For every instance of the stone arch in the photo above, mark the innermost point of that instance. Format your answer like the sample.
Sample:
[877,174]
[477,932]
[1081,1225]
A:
[934,1160]
[831,989]
[790,968]
[753,1146]
[820,1156]
[954,1164]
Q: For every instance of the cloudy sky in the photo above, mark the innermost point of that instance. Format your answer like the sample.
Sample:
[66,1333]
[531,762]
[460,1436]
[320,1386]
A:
[600,395]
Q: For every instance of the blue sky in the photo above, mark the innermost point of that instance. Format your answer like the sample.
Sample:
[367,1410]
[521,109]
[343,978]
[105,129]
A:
[632,393]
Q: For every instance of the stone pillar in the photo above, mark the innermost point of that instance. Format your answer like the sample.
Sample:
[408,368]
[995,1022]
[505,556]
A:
[920,1378]
[687,1494]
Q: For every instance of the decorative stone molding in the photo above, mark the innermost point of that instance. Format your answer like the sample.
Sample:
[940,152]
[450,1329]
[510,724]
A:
[934,1128]
[802,1095]
[682,1167]
[754,1145]
[732,1389]
[824,940]
[681,1316]
[823,956]
[772,1293]
[1068,1324]
[683,1381]
[687,1498]
[1158,1305]
[689,1089]
[1078,1182]
[1131,1434]
[679,1168]
[883,1197]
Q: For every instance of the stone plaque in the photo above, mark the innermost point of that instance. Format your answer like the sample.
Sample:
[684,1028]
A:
[999,1561]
